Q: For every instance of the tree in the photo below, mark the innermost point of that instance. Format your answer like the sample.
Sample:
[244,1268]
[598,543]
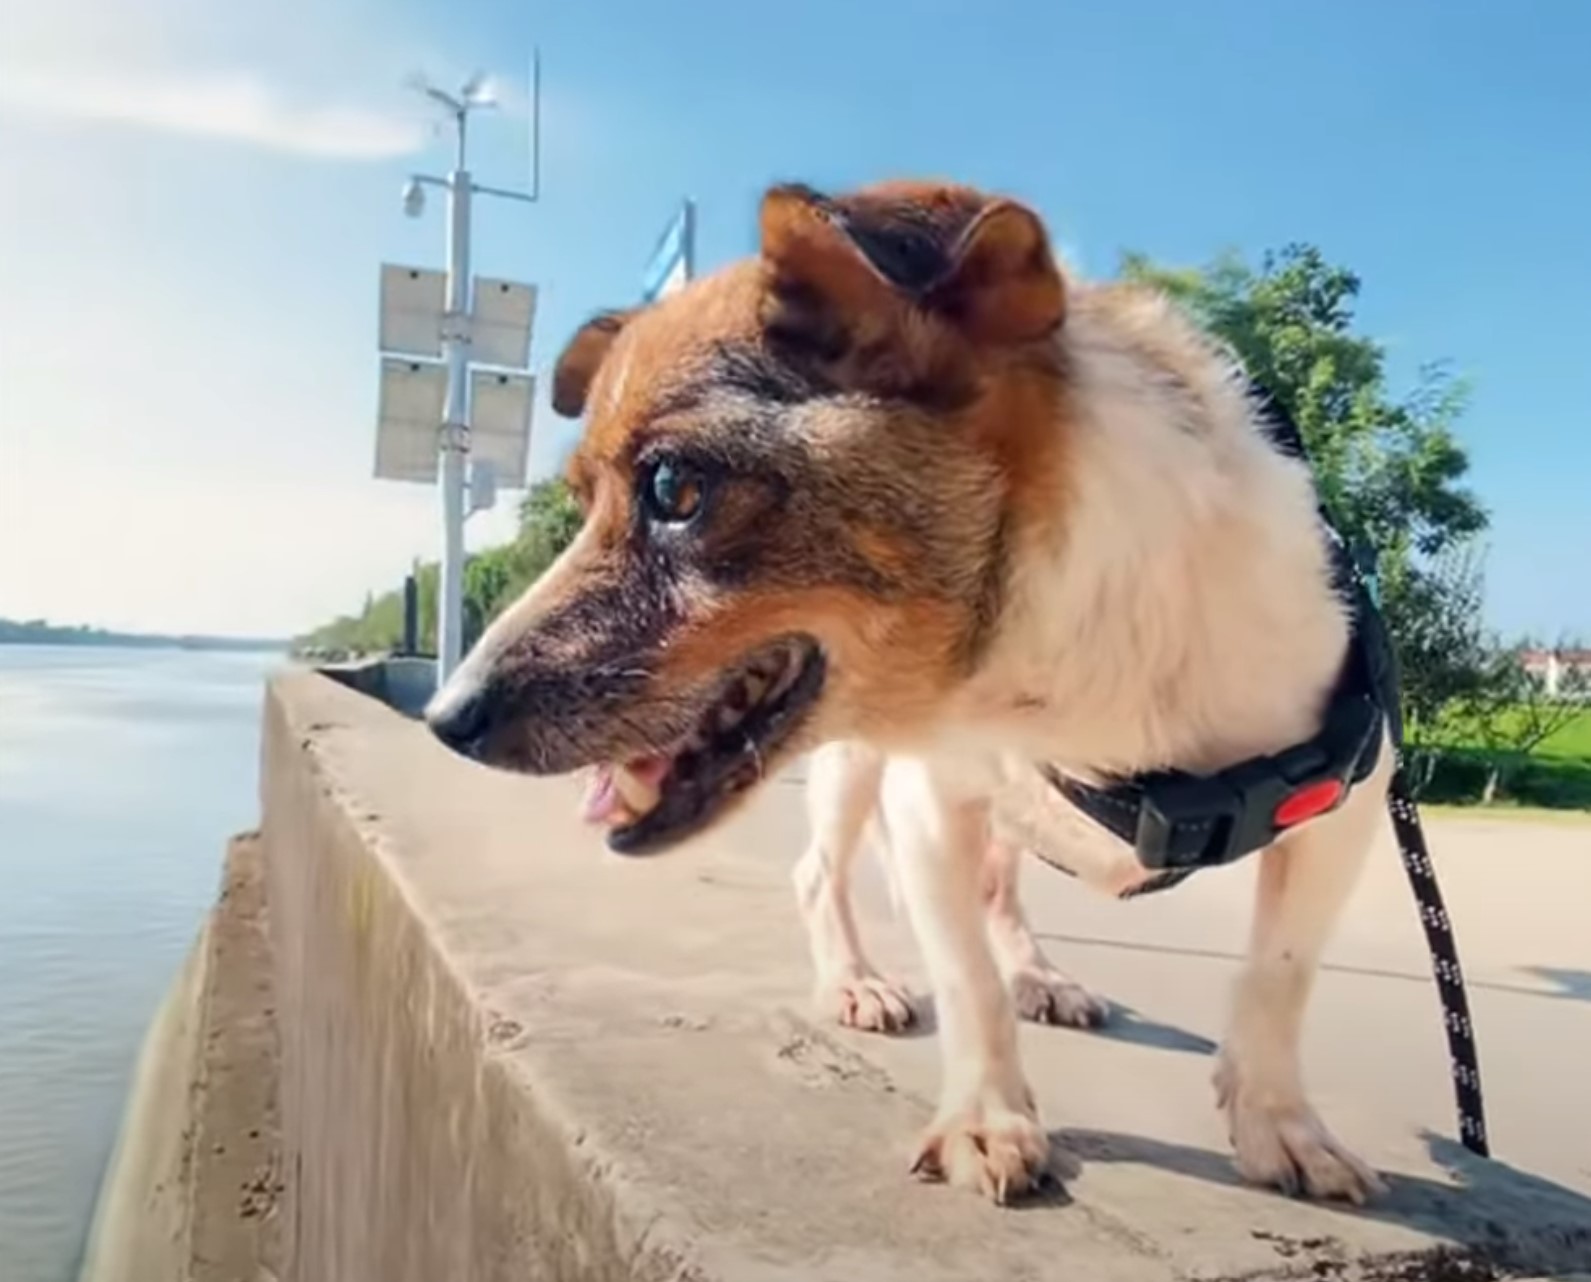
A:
[1510,712]
[1390,470]
[1444,653]
[549,519]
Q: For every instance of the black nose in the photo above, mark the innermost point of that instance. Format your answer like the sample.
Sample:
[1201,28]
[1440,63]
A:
[460,719]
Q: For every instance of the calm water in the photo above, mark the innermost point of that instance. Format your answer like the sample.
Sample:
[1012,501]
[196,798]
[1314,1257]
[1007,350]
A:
[122,772]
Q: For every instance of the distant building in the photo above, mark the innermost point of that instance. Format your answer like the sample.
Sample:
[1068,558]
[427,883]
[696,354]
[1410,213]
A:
[1557,668]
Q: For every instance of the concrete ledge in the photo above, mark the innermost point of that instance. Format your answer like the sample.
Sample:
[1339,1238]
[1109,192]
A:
[189,1194]
[140,1226]
[403,682]
[509,1055]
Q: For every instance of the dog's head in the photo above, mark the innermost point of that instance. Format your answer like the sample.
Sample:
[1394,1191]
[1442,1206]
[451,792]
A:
[800,477]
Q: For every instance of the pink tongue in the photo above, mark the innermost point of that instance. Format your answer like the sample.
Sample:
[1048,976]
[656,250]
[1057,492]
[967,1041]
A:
[603,801]
[602,796]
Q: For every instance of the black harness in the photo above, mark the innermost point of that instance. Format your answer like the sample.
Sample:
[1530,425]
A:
[1178,823]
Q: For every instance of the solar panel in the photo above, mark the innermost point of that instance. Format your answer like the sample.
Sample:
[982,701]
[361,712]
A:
[408,418]
[413,300]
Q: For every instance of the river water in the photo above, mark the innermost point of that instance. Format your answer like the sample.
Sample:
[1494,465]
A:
[122,773]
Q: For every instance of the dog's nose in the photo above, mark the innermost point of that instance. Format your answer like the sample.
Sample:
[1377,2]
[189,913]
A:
[459,718]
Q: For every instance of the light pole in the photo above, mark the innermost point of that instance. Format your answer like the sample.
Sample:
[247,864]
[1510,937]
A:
[453,436]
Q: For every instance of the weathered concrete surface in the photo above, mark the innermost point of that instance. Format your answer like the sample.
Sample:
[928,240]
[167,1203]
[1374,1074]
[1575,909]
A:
[140,1226]
[190,1192]
[235,1231]
[507,1054]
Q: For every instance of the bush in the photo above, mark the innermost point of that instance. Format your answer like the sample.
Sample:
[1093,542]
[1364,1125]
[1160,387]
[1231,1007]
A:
[1458,776]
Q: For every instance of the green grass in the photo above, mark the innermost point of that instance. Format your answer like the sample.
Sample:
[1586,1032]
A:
[1572,742]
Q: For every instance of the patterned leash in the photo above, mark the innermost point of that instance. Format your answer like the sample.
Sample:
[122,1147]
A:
[1444,963]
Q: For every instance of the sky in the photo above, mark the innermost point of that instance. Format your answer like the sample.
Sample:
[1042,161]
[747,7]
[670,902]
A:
[196,198]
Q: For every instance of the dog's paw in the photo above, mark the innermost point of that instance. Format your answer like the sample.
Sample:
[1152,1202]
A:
[988,1148]
[1052,997]
[1287,1147]
[867,1002]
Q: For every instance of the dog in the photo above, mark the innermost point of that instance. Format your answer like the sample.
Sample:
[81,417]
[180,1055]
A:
[901,480]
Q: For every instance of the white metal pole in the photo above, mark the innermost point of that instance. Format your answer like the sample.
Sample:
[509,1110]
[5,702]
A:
[455,433]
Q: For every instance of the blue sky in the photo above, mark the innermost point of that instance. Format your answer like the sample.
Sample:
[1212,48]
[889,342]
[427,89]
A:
[198,196]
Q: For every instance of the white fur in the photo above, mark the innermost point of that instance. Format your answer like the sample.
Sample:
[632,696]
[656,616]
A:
[1182,615]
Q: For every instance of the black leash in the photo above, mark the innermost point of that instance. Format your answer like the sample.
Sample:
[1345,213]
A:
[1449,974]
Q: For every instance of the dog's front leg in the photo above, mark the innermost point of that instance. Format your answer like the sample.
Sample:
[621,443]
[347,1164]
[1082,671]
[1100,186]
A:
[843,782]
[1042,991]
[1304,882]
[986,1135]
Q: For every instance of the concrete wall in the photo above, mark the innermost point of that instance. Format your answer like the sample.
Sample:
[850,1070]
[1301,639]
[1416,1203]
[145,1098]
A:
[402,682]
[506,1055]
[413,1149]
[141,1225]
[190,1192]
[509,1055]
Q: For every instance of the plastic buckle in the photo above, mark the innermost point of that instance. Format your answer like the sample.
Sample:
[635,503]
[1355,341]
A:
[1185,806]
[1191,821]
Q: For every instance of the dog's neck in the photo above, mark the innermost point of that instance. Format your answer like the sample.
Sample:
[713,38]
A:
[1179,612]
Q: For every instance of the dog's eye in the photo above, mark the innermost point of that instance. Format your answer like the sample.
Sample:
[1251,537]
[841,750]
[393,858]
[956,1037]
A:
[673,491]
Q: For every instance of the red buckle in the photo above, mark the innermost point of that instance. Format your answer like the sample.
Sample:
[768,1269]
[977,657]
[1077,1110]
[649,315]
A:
[1308,802]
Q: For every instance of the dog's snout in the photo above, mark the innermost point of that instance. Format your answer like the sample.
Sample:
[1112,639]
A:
[459,718]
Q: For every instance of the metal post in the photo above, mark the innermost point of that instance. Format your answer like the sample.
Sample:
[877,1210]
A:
[411,615]
[455,434]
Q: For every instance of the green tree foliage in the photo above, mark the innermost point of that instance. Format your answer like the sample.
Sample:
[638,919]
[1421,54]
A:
[549,519]
[1390,469]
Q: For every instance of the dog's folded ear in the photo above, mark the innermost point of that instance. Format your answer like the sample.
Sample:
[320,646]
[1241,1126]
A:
[1002,285]
[855,267]
[582,356]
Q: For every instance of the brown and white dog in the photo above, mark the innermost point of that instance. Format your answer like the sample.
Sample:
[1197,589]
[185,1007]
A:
[898,481]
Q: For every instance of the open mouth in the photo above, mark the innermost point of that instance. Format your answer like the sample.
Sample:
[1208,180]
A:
[650,803]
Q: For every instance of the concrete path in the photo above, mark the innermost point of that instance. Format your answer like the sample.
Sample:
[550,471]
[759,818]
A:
[548,1040]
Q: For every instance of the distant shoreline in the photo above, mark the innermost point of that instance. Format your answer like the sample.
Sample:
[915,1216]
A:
[40,633]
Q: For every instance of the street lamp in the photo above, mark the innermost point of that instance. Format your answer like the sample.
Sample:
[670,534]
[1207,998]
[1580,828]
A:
[426,314]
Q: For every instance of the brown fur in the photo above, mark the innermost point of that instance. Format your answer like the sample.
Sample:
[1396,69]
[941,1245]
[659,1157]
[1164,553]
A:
[817,385]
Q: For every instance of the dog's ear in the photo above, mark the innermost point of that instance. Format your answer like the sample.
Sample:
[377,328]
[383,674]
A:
[581,358]
[857,267]
[1002,285]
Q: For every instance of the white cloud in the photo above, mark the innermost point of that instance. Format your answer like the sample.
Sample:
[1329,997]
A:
[233,106]
[186,364]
